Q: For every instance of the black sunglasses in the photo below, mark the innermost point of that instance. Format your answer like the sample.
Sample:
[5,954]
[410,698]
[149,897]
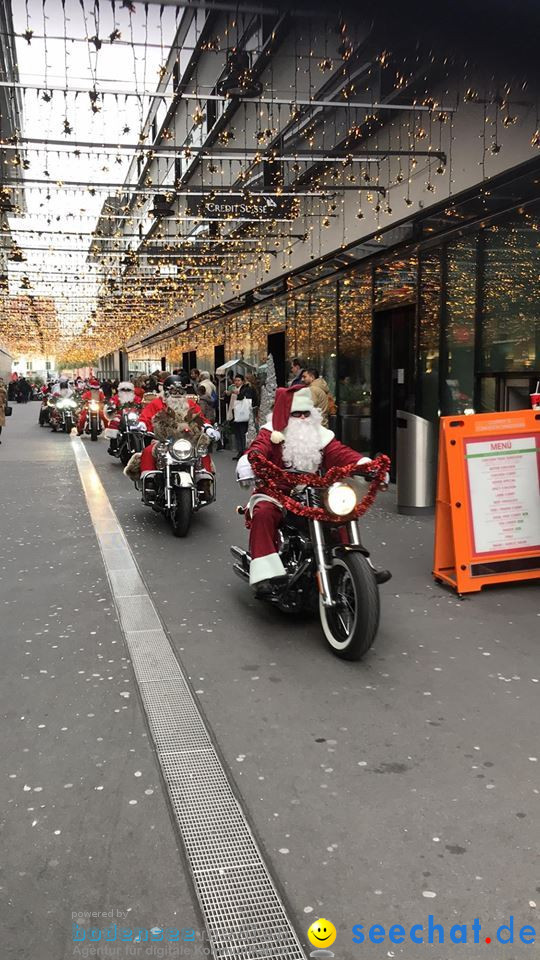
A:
[301,413]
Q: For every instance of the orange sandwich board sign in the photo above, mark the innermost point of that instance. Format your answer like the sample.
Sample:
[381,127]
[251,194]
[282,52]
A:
[487,520]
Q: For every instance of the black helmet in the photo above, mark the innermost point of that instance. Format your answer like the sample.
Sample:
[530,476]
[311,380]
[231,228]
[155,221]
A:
[173,385]
[63,384]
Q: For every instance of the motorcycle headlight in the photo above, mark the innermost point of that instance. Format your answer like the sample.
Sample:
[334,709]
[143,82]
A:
[341,499]
[62,404]
[132,417]
[94,406]
[70,403]
[182,449]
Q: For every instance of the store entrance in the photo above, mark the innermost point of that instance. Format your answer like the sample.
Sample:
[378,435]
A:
[276,346]
[392,375]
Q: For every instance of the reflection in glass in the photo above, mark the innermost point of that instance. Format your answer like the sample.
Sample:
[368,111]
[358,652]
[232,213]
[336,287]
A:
[511,324]
[395,281]
[430,315]
[460,320]
[355,322]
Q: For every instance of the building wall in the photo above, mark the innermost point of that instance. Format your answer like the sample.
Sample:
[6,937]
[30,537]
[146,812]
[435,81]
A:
[476,298]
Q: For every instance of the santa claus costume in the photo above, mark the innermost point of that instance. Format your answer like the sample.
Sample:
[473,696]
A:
[94,392]
[175,415]
[294,439]
[124,400]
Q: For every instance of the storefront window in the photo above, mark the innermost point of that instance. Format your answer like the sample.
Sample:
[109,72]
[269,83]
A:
[511,320]
[395,281]
[355,335]
[428,352]
[460,325]
[322,354]
[300,316]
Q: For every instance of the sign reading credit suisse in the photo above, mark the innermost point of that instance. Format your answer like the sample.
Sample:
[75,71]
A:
[235,206]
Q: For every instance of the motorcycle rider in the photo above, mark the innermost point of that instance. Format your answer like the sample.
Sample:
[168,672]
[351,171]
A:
[123,400]
[184,408]
[94,392]
[60,391]
[294,439]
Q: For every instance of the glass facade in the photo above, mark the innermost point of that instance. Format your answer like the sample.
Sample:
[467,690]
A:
[511,314]
[473,304]
[459,326]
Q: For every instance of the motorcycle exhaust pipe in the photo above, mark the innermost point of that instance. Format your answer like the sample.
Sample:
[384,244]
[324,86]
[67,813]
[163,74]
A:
[239,554]
[240,572]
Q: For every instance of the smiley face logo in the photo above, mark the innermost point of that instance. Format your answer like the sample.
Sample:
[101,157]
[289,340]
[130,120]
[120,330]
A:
[322,933]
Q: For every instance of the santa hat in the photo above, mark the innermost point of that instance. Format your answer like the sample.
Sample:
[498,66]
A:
[125,387]
[93,382]
[288,400]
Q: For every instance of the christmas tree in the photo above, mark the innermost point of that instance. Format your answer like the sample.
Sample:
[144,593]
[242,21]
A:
[268,391]
[252,428]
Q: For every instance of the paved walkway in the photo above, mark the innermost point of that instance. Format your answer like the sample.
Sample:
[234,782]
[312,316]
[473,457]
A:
[379,792]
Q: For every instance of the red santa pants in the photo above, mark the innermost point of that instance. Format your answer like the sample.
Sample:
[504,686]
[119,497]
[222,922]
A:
[266,518]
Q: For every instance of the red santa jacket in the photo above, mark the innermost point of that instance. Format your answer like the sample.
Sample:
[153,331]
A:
[334,453]
[155,406]
[89,395]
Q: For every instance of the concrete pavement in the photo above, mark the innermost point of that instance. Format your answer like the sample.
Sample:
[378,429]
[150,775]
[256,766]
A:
[381,791]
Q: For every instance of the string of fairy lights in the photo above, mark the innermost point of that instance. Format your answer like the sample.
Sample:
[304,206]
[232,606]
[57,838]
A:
[156,159]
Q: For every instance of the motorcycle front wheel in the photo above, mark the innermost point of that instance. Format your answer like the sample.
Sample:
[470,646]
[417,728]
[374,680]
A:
[68,425]
[93,427]
[181,512]
[350,626]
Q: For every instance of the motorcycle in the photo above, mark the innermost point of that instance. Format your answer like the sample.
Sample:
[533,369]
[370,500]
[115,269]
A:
[179,486]
[92,424]
[62,413]
[327,569]
[127,439]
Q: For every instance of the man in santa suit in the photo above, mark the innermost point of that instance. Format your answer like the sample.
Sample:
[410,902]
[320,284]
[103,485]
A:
[92,393]
[176,402]
[294,439]
[123,401]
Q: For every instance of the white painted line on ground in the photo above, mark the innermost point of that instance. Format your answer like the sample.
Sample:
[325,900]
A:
[244,914]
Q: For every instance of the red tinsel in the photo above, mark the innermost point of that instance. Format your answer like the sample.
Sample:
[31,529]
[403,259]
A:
[272,479]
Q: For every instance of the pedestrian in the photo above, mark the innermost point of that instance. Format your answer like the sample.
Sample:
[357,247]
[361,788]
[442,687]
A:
[319,392]
[206,405]
[25,390]
[297,369]
[107,388]
[3,404]
[243,402]
[253,382]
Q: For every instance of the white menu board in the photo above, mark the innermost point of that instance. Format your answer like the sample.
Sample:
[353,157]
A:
[504,485]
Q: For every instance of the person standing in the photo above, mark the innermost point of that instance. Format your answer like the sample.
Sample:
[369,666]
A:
[107,387]
[206,404]
[242,405]
[3,404]
[319,391]
[25,390]
[297,370]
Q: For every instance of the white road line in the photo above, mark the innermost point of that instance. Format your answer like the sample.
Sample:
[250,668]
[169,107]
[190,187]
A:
[244,914]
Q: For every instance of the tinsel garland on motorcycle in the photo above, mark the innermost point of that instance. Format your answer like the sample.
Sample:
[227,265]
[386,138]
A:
[269,475]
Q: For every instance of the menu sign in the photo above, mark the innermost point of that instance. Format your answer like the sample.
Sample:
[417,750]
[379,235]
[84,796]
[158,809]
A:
[504,487]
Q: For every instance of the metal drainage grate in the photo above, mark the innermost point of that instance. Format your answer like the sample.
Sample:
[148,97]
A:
[243,911]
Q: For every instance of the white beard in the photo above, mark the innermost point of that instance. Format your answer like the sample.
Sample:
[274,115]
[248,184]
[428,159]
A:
[125,396]
[179,406]
[302,446]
